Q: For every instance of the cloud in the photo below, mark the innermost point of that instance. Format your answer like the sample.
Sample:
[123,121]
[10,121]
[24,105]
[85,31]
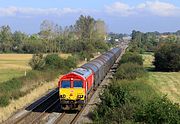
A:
[157,8]
[149,7]
[15,11]
[160,8]
[120,8]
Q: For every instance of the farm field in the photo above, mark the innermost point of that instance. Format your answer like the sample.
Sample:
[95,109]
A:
[13,65]
[167,83]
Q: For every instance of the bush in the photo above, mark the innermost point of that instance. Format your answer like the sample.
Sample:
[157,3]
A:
[129,71]
[158,111]
[10,85]
[101,46]
[4,101]
[85,55]
[9,89]
[114,106]
[37,62]
[132,57]
[134,102]
[71,62]
[167,57]
[53,61]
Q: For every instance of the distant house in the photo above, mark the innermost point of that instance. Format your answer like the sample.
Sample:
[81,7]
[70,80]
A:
[117,40]
[164,36]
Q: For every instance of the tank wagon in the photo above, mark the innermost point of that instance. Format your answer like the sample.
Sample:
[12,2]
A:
[75,87]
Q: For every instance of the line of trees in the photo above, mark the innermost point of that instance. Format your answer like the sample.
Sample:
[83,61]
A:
[148,42]
[87,34]
[166,47]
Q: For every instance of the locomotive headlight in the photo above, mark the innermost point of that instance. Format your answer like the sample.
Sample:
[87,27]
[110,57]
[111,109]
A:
[80,96]
[63,96]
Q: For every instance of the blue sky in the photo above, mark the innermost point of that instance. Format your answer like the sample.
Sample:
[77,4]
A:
[121,16]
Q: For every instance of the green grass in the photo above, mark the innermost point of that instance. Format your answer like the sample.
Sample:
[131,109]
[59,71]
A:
[167,83]
[13,65]
[139,88]
[7,74]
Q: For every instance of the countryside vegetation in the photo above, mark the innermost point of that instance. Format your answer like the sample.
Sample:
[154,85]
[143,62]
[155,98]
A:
[80,41]
[145,88]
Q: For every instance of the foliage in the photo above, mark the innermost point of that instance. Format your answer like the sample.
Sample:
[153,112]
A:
[134,101]
[85,55]
[53,61]
[129,71]
[37,62]
[71,62]
[114,106]
[126,101]
[4,101]
[132,57]
[148,42]
[9,90]
[167,57]
[13,89]
[159,111]
[87,34]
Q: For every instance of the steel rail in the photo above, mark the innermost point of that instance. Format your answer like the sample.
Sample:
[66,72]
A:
[17,120]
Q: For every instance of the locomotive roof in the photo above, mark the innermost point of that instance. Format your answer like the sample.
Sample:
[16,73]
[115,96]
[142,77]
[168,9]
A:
[82,71]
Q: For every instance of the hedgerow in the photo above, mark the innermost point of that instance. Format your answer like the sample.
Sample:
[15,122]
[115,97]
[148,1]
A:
[132,57]
[129,71]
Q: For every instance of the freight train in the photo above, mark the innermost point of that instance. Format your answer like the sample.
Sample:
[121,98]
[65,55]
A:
[76,86]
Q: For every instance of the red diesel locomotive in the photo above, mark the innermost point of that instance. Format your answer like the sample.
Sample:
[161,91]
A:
[75,87]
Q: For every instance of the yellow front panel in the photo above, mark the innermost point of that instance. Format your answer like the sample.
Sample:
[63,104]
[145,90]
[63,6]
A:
[72,93]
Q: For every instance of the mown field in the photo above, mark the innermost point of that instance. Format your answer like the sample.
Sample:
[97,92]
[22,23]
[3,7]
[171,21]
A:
[167,83]
[13,65]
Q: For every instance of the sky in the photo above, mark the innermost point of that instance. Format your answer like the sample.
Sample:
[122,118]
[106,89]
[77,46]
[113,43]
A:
[120,16]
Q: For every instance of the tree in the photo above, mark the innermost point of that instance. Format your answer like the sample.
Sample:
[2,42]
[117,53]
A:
[5,39]
[37,62]
[167,57]
[18,38]
[84,27]
[47,32]
[100,28]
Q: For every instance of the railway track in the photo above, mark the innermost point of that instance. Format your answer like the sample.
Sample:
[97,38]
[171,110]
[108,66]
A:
[36,110]
[68,118]
[40,112]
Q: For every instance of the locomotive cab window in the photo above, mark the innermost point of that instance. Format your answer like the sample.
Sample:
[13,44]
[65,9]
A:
[65,84]
[78,84]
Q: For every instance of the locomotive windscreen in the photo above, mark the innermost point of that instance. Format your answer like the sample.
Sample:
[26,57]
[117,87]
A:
[65,84]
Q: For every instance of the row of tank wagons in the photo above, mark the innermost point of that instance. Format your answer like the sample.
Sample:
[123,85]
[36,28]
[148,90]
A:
[75,86]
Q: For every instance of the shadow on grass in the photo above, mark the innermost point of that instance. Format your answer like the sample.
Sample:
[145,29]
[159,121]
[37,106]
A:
[150,69]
